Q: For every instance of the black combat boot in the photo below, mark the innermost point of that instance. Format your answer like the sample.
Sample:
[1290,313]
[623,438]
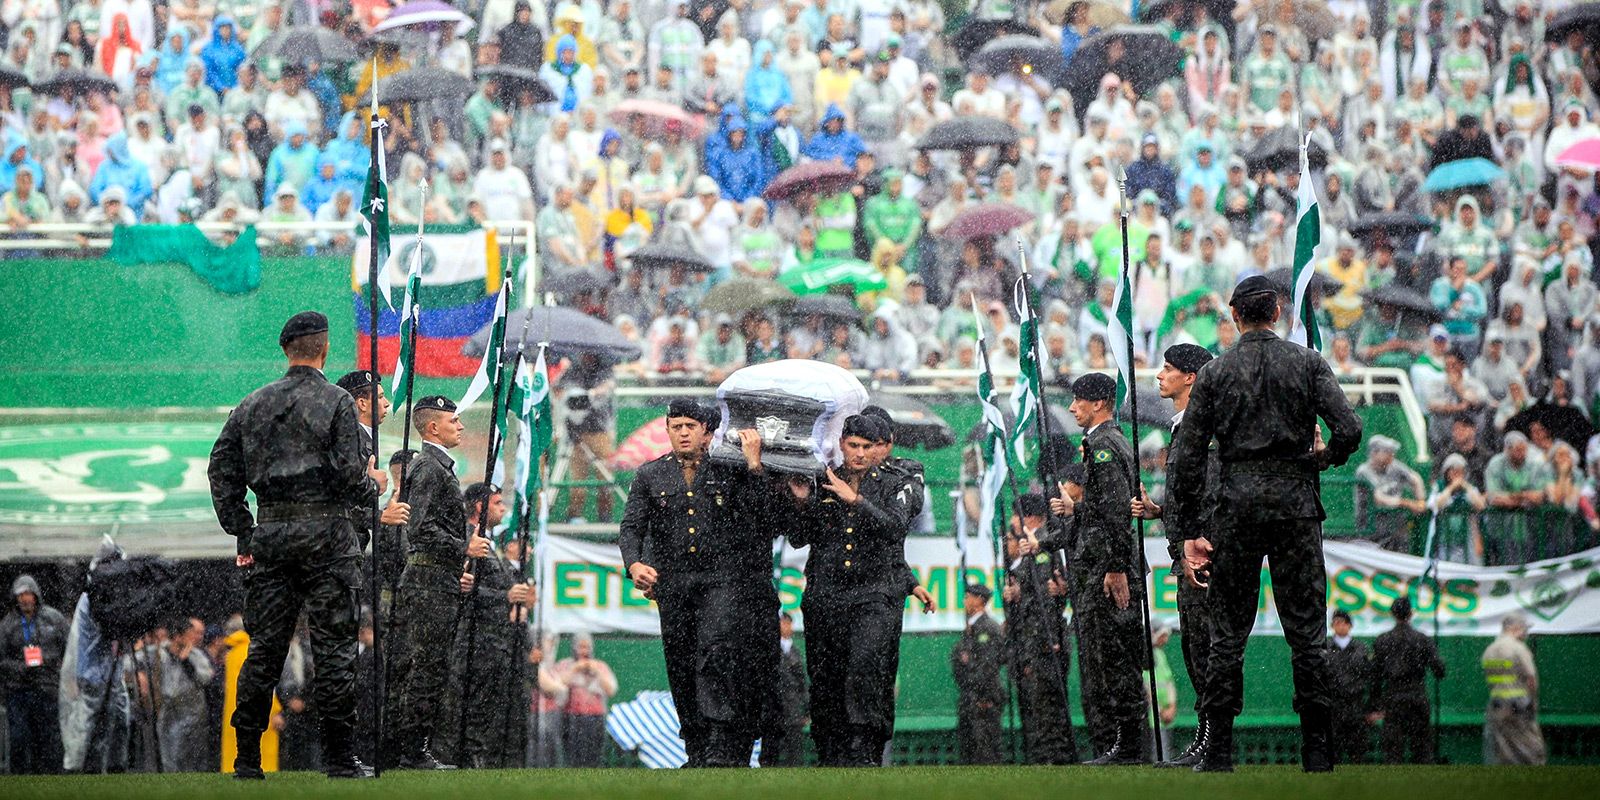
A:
[1191,756]
[421,757]
[338,749]
[1316,741]
[247,763]
[1127,750]
[1218,754]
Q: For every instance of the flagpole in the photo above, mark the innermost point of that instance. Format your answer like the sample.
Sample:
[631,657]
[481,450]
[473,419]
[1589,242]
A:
[1133,412]
[374,266]
[1042,415]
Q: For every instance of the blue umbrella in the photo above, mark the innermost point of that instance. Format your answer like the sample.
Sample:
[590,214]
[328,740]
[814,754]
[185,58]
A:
[1463,173]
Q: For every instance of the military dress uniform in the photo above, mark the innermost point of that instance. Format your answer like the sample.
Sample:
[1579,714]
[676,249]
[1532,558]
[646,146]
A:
[1401,660]
[492,675]
[430,594]
[718,606]
[295,444]
[854,607]
[1261,401]
[975,661]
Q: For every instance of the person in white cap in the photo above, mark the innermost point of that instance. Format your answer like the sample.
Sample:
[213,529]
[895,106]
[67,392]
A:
[504,188]
[1385,487]
[712,219]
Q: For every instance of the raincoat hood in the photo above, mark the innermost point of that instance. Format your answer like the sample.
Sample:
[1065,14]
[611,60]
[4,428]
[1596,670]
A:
[327,160]
[293,128]
[763,49]
[216,25]
[117,149]
[1466,201]
[833,113]
[15,141]
[606,139]
[566,44]
[25,583]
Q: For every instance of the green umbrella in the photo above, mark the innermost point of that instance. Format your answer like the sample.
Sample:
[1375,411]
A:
[823,273]
[739,295]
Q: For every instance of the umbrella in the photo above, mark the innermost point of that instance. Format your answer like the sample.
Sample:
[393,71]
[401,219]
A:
[81,80]
[577,281]
[825,273]
[963,133]
[976,33]
[1147,57]
[519,78]
[1406,300]
[1462,173]
[659,117]
[1394,223]
[1321,284]
[916,424]
[12,79]
[987,219]
[660,254]
[1018,51]
[644,445]
[1584,18]
[822,177]
[827,305]
[1314,19]
[419,84]
[1153,410]
[568,331]
[1102,14]
[739,295]
[306,43]
[1279,150]
[1582,155]
[1566,423]
[426,13]
[1060,422]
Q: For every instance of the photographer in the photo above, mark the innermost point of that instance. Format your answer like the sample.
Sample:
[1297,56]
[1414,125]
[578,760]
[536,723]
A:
[586,388]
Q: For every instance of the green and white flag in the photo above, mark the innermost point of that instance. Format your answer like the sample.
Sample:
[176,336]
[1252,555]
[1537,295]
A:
[410,313]
[375,199]
[1025,395]
[489,368]
[530,402]
[1307,236]
[996,445]
[1119,333]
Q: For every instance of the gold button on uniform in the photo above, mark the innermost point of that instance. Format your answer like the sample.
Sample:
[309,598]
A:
[691,549]
[849,530]
[849,547]
[691,494]
[691,530]
[691,512]
[847,562]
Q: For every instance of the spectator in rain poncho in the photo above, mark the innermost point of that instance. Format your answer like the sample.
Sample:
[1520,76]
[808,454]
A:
[120,169]
[571,80]
[327,182]
[738,166]
[184,672]
[222,54]
[887,351]
[766,88]
[15,159]
[32,639]
[294,161]
[119,52]
[832,141]
[349,148]
[94,691]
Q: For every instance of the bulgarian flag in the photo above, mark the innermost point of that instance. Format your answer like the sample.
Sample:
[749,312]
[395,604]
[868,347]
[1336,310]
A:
[489,368]
[530,402]
[1307,236]
[375,198]
[1119,331]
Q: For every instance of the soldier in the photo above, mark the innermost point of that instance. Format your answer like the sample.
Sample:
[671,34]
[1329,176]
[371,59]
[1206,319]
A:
[438,544]
[1401,659]
[1036,640]
[856,525]
[688,542]
[911,471]
[295,442]
[976,660]
[1260,401]
[499,639]
[784,743]
[1106,589]
[1349,676]
[359,384]
[1176,380]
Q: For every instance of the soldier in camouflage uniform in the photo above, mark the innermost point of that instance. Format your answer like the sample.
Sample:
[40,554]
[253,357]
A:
[976,661]
[1261,401]
[1036,640]
[439,545]
[1176,379]
[296,444]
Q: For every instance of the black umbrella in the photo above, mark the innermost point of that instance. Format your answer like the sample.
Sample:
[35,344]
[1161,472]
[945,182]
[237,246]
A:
[420,84]
[306,43]
[1584,18]
[1394,223]
[1279,150]
[81,80]
[12,79]
[1320,284]
[963,133]
[916,424]
[976,33]
[576,281]
[1061,423]
[1405,300]
[570,333]
[665,254]
[518,78]
[1018,51]
[1153,411]
[1566,423]
[1143,55]
[827,305]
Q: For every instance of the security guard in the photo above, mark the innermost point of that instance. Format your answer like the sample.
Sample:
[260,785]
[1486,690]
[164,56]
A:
[1176,378]
[1260,401]
[692,540]
[976,661]
[295,442]
[497,647]
[855,524]
[1103,574]
[1037,640]
[439,545]
[1402,657]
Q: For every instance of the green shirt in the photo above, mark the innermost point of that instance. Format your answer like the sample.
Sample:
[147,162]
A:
[836,223]
[35,208]
[898,220]
[1266,76]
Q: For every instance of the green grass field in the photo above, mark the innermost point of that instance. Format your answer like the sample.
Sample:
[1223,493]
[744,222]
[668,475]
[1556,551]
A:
[922,783]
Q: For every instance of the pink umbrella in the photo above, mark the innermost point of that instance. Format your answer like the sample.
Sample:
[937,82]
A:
[646,444]
[987,219]
[822,177]
[432,13]
[659,117]
[1581,155]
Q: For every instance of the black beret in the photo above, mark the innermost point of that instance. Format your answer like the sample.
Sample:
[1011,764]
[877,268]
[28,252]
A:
[867,427]
[699,412]
[1187,357]
[1072,473]
[1033,504]
[1094,386]
[980,591]
[883,414]
[304,323]
[437,403]
[356,380]
[1253,285]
